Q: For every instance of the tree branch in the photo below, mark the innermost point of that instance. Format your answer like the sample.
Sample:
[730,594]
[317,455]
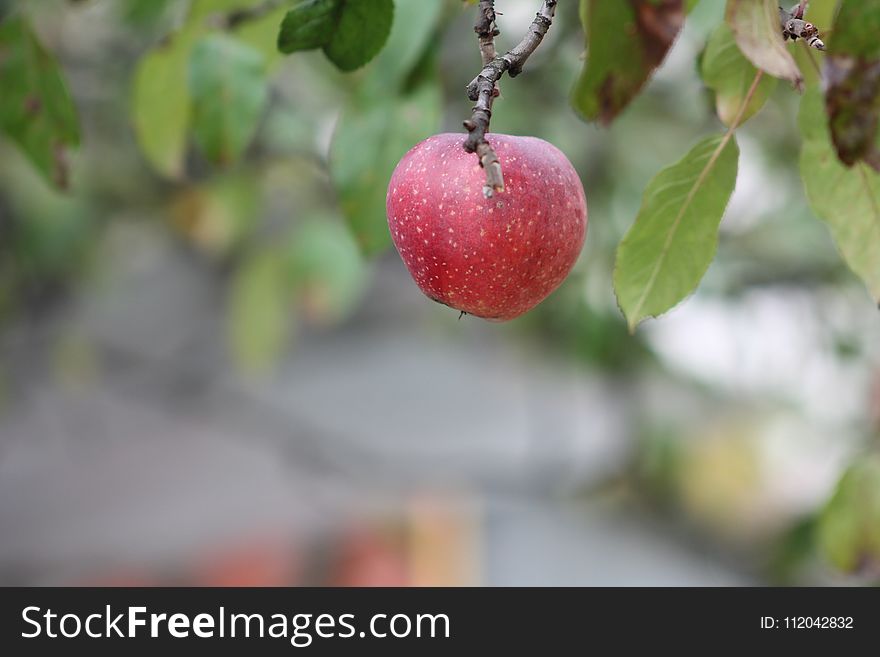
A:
[237,17]
[482,90]
[487,30]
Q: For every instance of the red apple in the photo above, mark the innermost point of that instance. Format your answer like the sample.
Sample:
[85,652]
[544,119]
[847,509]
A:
[496,257]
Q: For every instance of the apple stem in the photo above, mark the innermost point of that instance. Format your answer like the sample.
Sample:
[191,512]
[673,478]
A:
[483,89]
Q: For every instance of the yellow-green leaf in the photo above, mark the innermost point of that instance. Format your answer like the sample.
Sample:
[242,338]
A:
[161,104]
[849,527]
[730,75]
[260,312]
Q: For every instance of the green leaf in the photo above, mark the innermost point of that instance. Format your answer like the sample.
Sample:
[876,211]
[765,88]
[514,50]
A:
[327,269]
[161,105]
[227,81]
[847,199]
[310,24]
[36,109]
[758,32]
[259,312]
[351,32]
[363,28]
[626,42]
[666,252]
[730,76]
[370,140]
[849,527]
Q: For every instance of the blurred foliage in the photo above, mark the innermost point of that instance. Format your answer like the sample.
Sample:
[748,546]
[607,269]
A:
[714,473]
[793,552]
[229,93]
[144,12]
[389,113]
[849,527]
[327,270]
[217,215]
[367,147]
[260,311]
[855,29]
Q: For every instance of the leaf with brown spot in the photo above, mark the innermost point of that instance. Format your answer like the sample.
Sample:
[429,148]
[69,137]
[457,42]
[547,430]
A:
[758,32]
[36,109]
[852,77]
[846,199]
[627,40]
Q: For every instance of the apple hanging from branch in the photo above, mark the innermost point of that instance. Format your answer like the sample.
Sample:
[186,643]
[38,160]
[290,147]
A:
[495,257]
[491,235]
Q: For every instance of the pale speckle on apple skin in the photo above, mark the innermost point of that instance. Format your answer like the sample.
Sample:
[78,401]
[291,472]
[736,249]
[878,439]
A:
[532,250]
